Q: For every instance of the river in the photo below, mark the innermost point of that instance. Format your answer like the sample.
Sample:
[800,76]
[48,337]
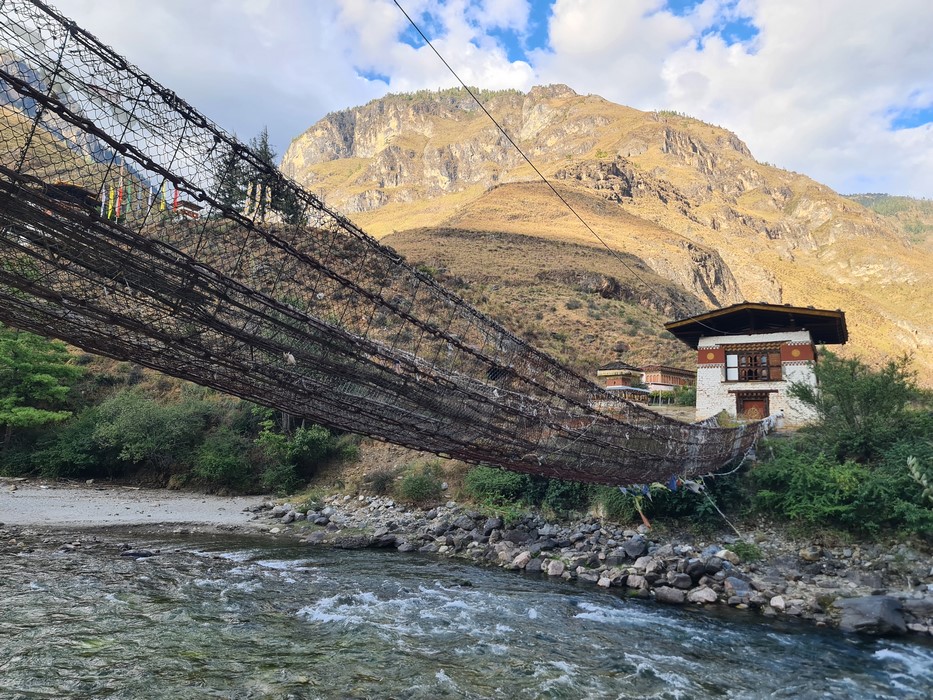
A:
[235,617]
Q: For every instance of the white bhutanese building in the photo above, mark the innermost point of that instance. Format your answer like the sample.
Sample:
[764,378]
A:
[749,354]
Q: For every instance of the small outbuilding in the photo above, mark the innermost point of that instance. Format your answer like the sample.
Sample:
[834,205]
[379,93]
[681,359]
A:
[749,354]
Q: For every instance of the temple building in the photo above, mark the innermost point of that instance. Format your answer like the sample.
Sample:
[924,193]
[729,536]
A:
[625,380]
[666,378]
[749,354]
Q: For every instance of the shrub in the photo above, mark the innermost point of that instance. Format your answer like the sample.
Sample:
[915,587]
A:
[685,396]
[70,450]
[223,459]
[496,485]
[144,431]
[574,304]
[421,485]
[380,482]
[817,490]
[860,411]
[281,479]
[611,503]
[563,496]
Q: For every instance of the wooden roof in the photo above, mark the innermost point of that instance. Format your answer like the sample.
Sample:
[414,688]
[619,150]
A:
[825,326]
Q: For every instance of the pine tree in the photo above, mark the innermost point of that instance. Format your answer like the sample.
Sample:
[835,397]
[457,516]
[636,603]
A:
[230,180]
[34,378]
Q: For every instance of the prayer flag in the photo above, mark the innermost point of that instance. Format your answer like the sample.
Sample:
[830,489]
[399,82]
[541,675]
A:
[110,204]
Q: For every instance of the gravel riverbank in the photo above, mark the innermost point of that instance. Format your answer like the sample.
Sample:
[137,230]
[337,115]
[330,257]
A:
[866,588]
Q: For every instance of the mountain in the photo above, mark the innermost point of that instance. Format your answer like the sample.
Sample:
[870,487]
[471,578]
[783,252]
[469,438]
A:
[693,221]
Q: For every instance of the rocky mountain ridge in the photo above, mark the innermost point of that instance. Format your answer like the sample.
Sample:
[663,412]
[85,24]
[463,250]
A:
[686,198]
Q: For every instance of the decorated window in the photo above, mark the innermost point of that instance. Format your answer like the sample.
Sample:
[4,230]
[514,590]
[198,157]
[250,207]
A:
[753,366]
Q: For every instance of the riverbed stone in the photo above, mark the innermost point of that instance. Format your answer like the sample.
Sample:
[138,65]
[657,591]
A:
[729,556]
[521,560]
[635,547]
[555,567]
[682,581]
[669,596]
[703,595]
[872,615]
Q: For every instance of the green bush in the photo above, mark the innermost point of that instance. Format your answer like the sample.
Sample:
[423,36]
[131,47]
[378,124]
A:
[496,485]
[610,502]
[421,485]
[685,396]
[817,490]
[861,411]
[142,430]
[566,496]
[280,478]
[70,449]
[223,459]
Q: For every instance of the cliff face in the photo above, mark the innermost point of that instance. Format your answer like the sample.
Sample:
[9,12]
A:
[687,198]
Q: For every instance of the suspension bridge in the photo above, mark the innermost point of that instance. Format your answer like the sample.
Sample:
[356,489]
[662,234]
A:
[133,227]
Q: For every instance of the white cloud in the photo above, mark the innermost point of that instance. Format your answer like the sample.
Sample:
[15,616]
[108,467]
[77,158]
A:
[814,91]
[243,63]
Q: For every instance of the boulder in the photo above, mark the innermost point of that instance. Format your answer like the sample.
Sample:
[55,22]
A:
[876,615]
[635,547]
[668,595]
[682,581]
[521,560]
[555,568]
[702,596]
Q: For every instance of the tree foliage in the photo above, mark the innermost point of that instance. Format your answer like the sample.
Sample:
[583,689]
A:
[860,411]
[35,378]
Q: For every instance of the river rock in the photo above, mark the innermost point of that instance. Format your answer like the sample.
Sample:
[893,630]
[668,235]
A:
[682,581]
[288,517]
[636,581]
[555,567]
[668,595]
[703,595]
[492,524]
[138,553]
[737,587]
[778,603]
[521,560]
[463,522]
[635,547]
[533,566]
[811,554]
[873,615]
[729,556]
[713,565]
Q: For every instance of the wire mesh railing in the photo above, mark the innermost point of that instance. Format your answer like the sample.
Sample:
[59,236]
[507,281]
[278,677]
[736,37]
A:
[134,227]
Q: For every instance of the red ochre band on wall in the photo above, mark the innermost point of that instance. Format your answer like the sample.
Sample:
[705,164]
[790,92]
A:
[711,356]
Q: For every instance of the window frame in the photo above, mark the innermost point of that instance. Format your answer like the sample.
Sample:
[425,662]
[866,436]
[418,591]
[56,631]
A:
[747,366]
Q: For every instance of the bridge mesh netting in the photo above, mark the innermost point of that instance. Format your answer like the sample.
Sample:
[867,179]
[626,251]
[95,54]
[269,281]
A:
[133,227]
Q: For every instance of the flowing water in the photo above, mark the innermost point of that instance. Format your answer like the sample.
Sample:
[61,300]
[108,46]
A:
[246,618]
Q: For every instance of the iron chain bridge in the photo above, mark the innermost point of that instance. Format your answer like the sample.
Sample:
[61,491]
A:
[123,232]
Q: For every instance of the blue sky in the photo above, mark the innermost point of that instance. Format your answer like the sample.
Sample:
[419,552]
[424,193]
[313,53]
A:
[840,90]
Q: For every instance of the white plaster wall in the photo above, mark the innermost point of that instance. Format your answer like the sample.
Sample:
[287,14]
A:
[713,391]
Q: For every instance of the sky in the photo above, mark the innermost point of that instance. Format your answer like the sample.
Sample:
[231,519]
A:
[840,90]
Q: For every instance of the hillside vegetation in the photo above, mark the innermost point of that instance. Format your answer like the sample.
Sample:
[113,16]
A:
[685,198]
